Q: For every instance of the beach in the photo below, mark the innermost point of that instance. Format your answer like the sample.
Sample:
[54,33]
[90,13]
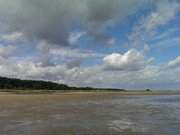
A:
[90,113]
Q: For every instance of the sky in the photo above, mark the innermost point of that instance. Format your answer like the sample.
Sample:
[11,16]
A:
[131,44]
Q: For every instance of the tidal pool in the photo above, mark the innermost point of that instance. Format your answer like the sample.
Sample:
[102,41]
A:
[89,115]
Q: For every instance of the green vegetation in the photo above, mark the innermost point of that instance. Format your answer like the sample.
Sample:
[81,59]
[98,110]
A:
[32,86]
[7,83]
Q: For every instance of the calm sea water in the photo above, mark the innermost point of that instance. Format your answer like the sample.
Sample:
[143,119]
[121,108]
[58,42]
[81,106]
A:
[119,115]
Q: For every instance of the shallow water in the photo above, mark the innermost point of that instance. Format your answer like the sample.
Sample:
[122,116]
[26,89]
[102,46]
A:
[117,115]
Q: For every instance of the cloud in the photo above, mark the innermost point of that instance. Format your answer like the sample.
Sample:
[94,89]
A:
[71,72]
[52,20]
[174,63]
[74,53]
[137,76]
[75,36]
[166,43]
[131,60]
[165,11]
[166,34]
[147,28]
[7,51]
[52,50]
[53,28]
[13,37]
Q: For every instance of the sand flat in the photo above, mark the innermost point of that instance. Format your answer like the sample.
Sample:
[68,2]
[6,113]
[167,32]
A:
[90,113]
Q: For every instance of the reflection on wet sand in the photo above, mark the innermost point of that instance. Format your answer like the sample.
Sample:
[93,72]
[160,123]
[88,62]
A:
[89,114]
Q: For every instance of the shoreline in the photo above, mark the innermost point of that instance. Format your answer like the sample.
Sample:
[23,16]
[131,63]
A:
[119,93]
[43,98]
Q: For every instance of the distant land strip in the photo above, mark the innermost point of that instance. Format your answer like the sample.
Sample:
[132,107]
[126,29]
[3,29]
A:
[9,84]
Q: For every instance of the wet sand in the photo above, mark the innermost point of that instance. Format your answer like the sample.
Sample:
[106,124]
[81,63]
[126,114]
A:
[90,113]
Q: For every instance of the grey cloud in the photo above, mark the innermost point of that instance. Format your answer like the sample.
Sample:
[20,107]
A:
[74,63]
[12,37]
[7,51]
[51,20]
[47,54]
[104,12]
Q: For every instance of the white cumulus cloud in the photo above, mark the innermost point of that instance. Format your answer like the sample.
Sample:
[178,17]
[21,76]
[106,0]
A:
[174,63]
[131,60]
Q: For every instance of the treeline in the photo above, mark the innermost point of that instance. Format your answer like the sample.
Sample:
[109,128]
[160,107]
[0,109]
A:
[9,83]
[18,84]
